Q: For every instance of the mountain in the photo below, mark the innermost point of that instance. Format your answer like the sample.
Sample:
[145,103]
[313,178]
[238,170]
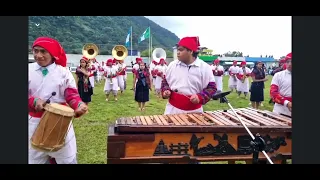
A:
[105,31]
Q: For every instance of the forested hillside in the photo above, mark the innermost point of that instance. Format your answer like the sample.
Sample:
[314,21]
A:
[105,31]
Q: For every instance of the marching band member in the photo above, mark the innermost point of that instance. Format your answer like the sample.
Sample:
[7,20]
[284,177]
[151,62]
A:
[189,82]
[102,70]
[143,85]
[100,73]
[280,89]
[153,72]
[233,70]
[111,83]
[135,68]
[92,70]
[218,72]
[160,69]
[82,78]
[121,74]
[49,75]
[243,82]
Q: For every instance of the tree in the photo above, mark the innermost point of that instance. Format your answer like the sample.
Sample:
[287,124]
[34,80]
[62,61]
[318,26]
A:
[233,54]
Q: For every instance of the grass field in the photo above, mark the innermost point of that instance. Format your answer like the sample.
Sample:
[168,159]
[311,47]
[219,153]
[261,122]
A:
[92,129]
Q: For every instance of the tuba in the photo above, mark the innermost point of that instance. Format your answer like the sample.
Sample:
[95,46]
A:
[159,53]
[119,52]
[90,51]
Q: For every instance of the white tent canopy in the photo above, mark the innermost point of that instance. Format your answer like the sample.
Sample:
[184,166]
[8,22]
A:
[230,63]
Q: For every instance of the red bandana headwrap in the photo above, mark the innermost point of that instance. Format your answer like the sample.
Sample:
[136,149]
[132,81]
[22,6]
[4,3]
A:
[288,56]
[54,48]
[216,61]
[109,62]
[243,63]
[162,61]
[84,58]
[235,62]
[138,60]
[154,62]
[191,43]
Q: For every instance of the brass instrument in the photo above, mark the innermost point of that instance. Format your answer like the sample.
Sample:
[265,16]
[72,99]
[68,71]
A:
[119,52]
[110,75]
[244,74]
[90,51]
[159,53]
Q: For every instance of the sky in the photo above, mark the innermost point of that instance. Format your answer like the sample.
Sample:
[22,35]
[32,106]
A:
[252,35]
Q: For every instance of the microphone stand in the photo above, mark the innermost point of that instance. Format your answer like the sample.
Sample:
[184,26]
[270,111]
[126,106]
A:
[258,144]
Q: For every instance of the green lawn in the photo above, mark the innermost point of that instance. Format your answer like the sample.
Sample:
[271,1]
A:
[92,129]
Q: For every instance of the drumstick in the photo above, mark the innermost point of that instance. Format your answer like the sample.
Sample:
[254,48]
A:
[48,100]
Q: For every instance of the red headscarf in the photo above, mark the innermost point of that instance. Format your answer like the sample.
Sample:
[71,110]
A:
[84,58]
[54,48]
[243,63]
[235,62]
[162,61]
[191,43]
[154,62]
[109,62]
[288,56]
[138,60]
[216,61]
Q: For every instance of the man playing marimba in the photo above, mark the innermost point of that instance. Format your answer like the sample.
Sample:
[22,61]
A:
[46,76]
[280,89]
[188,82]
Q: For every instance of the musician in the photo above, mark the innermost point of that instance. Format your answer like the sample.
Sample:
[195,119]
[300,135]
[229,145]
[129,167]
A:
[93,72]
[282,66]
[280,89]
[49,75]
[121,74]
[101,72]
[111,83]
[243,81]
[257,86]
[135,68]
[143,85]
[218,72]
[82,78]
[160,70]
[189,82]
[153,72]
[233,70]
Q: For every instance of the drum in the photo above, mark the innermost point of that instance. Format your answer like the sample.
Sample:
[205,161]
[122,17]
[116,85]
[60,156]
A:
[53,128]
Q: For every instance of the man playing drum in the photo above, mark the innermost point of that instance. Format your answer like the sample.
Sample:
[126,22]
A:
[46,76]
[188,82]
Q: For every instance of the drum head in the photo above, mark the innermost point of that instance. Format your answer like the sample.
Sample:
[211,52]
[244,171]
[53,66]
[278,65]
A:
[59,109]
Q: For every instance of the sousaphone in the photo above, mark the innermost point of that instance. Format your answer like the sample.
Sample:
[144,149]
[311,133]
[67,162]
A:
[119,52]
[90,51]
[159,53]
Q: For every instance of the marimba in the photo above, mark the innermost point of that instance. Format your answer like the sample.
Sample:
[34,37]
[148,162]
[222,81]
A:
[198,137]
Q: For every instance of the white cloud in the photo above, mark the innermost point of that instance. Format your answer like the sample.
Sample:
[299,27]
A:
[252,35]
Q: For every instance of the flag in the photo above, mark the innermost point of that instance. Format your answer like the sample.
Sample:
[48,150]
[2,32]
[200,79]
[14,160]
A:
[145,35]
[128,38]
